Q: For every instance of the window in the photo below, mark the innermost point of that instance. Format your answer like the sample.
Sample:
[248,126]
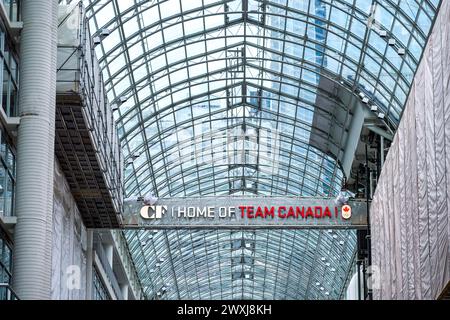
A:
[7,177]
[99,289]
[5,267]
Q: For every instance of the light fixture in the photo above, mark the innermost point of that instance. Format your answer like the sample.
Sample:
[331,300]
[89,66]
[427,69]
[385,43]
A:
[123,99]
[136,155]
[96,40]
[401,51]
[114,107]
[105,32]
[362,95]
[381,115]
[383,33]
[373,108]
[391,42]
[130,161]
[365,100]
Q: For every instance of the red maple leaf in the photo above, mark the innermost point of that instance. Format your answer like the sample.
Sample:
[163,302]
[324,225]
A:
[346,209]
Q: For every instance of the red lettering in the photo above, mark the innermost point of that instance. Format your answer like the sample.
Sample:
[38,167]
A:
[291,212]
[270,212]
[327,212]
[281,215]
[300,212]
[259,213]
[318,212]
[250,212]
[309,213]
[242,208]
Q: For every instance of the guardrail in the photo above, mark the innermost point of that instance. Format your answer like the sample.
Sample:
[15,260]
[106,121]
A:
[108,270]
[7,292]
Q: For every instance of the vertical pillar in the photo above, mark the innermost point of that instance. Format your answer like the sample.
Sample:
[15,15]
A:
[35,150]
[124,290]
[89,263]
[109,251]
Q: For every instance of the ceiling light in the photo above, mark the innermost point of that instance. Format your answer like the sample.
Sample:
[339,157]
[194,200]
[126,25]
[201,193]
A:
[391,42]
[136,155]
[365,100]
[381,115]
[105,32]
[383,33]
[96,40]
[373,108]
[401,51]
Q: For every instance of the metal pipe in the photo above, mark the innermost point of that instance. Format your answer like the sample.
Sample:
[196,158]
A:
[35,151]
[367,294]
[358,265]
[89,262]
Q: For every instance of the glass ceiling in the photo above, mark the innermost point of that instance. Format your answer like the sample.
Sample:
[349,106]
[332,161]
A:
[182,74]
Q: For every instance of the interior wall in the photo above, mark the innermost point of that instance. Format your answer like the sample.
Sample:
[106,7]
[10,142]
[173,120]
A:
[69,244]
[411,205]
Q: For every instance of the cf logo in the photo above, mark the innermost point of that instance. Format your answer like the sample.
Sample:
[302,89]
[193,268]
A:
[153,212]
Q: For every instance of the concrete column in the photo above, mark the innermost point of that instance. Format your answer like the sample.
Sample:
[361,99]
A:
[109,251]
[124,289]
[89,263]
[35,150]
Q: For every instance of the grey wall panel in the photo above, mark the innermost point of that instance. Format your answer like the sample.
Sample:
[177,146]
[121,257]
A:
[411,206]
[69,235]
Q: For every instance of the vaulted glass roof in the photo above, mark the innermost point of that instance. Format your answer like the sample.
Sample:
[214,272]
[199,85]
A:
[183,74]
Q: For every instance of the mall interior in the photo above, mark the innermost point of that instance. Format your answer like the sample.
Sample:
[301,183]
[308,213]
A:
[112,111]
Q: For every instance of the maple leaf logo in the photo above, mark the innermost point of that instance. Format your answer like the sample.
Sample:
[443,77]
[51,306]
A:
[346,212]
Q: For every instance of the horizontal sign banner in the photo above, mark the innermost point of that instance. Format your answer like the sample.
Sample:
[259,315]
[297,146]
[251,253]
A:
[244,212]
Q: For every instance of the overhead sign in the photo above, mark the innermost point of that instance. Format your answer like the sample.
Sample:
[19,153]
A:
[244,212]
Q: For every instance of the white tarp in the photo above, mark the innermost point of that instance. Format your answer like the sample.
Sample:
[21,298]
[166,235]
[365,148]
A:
[411,206]
[69,239]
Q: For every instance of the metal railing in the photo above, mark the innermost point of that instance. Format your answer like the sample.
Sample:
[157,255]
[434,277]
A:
[7,292]
[79,74]
[108,270]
